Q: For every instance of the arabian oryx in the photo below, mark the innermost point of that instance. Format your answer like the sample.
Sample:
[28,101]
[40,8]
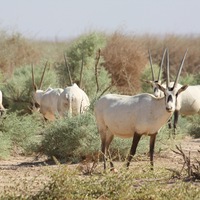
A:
[47,100]
[189,100]
[2,109]
[134,116]
[72,101]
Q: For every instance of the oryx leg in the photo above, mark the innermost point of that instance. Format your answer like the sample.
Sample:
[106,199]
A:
[106,139]
[176,115]
[151,148]
[136,139]
[169,123]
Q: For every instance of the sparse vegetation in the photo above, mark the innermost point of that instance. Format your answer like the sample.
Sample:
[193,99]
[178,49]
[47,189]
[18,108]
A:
[190,169]
[123,64]
[137,183]
[18,135]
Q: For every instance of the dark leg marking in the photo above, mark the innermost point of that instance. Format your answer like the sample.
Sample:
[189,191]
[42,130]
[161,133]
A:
[151,148]
[136,139]
[176,115]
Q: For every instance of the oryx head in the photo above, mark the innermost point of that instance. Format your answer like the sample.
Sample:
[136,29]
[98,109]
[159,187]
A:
[171,92]
[154,82]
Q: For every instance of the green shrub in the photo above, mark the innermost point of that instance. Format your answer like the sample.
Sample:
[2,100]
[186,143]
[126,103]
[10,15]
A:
[194,126]
[71,138]
[84,50]
[5,144]
[18,89]
[19,134]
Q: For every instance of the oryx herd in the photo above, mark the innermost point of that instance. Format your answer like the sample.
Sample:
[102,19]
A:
[59,102]
[122,115]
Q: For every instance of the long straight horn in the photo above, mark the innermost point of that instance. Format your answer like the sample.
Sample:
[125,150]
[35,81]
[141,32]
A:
[167,79]
[33,79]
[161,65]
[98,55]
[81,73]
[150,60]
[66,64]
[179,71]
[41,80]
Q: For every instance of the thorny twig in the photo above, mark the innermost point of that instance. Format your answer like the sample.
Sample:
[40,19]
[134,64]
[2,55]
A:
[193,170]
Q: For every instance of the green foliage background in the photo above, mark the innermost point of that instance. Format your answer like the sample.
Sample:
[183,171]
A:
[23,132]
[17,90]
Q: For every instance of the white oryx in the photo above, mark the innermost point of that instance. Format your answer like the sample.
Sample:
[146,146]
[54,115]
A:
[72,101]
[47,100]
[189,100]
[134,116]
[2,109]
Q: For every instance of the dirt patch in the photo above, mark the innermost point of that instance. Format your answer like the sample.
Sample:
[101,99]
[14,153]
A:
[19,170]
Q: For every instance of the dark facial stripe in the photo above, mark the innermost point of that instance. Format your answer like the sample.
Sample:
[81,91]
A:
[169,98]
[155,90]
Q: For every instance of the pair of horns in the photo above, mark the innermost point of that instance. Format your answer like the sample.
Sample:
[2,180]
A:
[152,70]
[42,77]
[160,70]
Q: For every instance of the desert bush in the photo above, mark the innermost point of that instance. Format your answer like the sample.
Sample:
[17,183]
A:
[190,79]
[194,126]
[125,60]
[71,138]
[16,50]
[18,90]
[177,45]
[19,134]
[82,51]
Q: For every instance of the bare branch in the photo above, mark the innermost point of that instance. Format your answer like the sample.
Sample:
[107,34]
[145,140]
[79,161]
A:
[193,170]
[105,90]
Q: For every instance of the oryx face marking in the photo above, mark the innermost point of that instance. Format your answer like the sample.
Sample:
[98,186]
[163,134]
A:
[170,99]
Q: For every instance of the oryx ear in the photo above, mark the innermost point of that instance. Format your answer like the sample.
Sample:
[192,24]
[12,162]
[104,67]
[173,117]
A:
[183,88]
[160,87]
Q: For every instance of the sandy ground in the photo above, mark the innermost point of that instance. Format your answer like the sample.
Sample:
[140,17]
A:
[17,170]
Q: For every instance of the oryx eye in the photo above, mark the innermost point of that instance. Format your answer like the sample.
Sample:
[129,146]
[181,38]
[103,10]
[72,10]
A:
[169,98]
